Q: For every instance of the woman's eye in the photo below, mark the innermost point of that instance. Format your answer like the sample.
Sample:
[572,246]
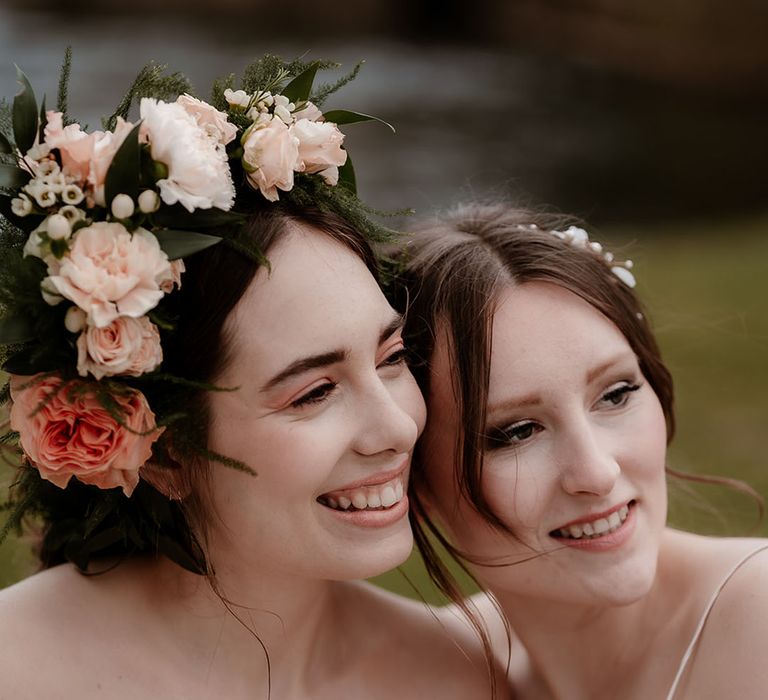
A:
[396,358]
[513,434]
[314,395]
[619,395]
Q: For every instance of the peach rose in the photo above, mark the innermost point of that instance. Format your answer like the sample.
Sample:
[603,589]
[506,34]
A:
[270,155]
[319,145]
[213,122]
[110,272]
[126,346]
[65,432]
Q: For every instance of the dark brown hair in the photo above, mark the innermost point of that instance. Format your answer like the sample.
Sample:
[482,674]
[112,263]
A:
[452,272]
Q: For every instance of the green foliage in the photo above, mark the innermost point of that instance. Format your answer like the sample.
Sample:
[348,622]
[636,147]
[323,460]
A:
[321,95]
[344,116]
[178,244]
[123,176]
[150,82]
[24,114]
[63,91]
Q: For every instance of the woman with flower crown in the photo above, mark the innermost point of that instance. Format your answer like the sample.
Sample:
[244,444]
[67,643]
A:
[209,394]
[542,467]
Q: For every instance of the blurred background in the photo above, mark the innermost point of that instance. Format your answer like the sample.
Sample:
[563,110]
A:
[646,118]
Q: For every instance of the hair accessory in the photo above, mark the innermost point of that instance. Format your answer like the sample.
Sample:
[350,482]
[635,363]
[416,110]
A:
[579,238]
[93,232]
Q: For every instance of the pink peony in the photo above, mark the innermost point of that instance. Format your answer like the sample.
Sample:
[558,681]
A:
[66,432]
[213,122]
[110,272]
[198,166]
[126,346]
[320,148]
[270,155]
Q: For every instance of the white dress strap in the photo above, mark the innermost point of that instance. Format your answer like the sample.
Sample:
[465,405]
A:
[702,621]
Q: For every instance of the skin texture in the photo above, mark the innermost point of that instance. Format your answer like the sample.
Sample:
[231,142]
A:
[283,561]
[575,430]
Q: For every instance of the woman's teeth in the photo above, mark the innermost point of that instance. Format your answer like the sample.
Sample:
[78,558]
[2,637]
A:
[376,497]
[597,528]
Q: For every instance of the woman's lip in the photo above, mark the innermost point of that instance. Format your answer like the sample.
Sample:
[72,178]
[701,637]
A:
[594,516]
[607,542]
[374,480]
[373,518]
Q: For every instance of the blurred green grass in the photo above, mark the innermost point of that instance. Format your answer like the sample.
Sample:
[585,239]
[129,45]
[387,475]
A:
[706,289]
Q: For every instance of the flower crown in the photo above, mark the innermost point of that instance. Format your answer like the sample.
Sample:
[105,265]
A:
[94,230]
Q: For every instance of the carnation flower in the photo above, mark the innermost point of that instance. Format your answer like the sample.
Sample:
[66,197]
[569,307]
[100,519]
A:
[128,346]
[65,432]
[198,169]
[270,155]
[110,272]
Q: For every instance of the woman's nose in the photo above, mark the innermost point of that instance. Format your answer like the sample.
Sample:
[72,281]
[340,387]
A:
[588,465]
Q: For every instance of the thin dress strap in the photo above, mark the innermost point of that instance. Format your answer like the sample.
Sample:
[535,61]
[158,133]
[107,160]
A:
[702,621]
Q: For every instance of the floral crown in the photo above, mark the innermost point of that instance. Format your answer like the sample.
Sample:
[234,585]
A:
[94,230]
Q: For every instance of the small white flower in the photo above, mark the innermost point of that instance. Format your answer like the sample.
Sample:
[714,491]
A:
[43,194]
[21,205]
[284,114]
[122,206]
[267,99]
[72,194]
[50,294]
[149,202]
[72,214]
[58,227]
[624,275]
[75,319]
[237,98]
[39,152]
[48,167]
[34,245]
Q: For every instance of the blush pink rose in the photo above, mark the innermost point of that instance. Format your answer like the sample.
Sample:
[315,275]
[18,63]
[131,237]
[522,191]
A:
[65,432]
[213,122]
[126,346]
[308,111]
[320,148]
[270,155]
[110,272]
[177,268]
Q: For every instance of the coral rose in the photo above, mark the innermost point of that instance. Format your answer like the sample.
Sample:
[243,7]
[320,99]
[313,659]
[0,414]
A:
[110,272]
[126,346]
[65,432]
[198,167]
[270,155]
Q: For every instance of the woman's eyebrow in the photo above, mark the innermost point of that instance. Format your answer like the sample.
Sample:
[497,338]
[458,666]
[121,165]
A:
[395,324]
[600,369]
[304,364]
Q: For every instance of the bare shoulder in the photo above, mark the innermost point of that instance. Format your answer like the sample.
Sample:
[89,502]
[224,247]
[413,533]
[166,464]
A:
[439,656]
[730,658]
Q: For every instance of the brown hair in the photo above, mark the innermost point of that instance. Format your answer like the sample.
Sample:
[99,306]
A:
[452,271]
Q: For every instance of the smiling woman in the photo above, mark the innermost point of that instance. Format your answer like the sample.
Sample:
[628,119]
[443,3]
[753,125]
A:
[542,467]
[214,427]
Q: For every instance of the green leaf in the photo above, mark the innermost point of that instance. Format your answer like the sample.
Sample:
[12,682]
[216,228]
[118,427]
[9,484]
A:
[345,116]
[300,87]
[5,144]
[24,114]
[43,122]
[16,329]
[178,216]
[179,244]
[11,176]
[347,176]
[189,558]
[124,172]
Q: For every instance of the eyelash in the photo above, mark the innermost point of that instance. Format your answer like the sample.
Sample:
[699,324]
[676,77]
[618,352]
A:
[320,393]
[511,434]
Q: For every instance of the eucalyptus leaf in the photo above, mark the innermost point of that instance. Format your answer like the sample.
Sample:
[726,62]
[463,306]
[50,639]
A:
[24,114]
[16,329]
[179,244]
[124,172]
[345,116]
[11,176]
[347,177]
[299,89]
[43,122]
[177,215]
[5,144]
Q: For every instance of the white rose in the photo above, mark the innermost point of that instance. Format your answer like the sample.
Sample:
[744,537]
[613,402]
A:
[110,272]
[319,146]
[198,169]
[270,155]
[126,346]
